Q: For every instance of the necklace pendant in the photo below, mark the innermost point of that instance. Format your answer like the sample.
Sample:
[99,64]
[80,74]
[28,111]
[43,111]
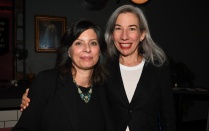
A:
[84,96]
[86,100]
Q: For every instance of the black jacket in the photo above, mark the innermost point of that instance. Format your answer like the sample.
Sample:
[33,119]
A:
[152,106]
[54,105]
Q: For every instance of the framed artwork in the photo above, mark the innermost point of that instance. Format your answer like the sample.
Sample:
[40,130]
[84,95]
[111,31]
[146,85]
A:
[48,32]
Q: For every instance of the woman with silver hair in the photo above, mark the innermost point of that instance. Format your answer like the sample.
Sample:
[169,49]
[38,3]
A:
[139,88]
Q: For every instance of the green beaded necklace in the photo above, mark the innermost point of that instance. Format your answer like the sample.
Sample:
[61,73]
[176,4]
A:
[84,96]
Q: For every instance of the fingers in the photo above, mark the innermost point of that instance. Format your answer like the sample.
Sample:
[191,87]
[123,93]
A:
[25,101]
[26,92]
[22,107]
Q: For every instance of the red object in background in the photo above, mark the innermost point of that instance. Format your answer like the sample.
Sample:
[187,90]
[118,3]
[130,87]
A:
[7,3]
[6,58]
[5,129]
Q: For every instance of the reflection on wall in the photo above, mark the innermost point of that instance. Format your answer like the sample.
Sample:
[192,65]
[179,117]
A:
[50,36]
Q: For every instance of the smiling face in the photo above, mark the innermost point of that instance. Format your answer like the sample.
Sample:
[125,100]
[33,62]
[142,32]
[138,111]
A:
[127,34]
[85,50]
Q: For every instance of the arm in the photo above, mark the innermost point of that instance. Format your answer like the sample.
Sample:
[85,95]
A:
[38,94]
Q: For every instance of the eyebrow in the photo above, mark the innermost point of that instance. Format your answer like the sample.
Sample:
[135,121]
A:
[128,26]
[90,39]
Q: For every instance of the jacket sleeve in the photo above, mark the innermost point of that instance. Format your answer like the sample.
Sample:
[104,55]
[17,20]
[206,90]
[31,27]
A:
[39,92]
[167,110]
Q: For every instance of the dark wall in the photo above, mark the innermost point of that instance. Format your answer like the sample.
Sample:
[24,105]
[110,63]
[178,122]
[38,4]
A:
[182,29]
[179,27]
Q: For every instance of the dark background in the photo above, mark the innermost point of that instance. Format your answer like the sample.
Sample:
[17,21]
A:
[180,27]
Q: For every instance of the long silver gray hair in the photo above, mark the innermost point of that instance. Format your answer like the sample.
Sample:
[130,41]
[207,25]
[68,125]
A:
[148,48]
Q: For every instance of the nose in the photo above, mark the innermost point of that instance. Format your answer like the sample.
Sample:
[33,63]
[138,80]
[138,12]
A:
[87,48]
[124,35]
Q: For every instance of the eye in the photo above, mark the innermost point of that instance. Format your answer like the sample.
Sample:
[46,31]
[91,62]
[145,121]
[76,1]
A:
[77,43]
[132,29]
[94,43]
[117,28]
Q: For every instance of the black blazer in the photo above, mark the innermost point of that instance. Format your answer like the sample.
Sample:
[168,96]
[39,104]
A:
[62,114]
[152,104]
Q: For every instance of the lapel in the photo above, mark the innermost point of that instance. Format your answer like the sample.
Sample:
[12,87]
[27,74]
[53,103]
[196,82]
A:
[67,94]
[118,82]
[145,76]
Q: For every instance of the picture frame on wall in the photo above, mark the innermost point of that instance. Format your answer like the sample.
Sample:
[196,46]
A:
[48,32]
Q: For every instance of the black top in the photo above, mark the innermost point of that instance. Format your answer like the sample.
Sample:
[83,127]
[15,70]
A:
[91,114]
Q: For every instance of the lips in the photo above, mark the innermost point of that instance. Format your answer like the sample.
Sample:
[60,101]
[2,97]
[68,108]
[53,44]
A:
[86,58]
[124,46]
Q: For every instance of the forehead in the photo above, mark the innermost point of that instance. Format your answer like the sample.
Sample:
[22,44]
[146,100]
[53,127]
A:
[127,18]
[88,33]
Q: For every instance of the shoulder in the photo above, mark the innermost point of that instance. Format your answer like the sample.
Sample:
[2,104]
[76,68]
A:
[157,64]
[101,89]
[162,69]
[44,83]
[47,74]
[113,62]
[45,78]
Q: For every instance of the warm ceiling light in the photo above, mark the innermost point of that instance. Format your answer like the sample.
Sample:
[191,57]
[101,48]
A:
[139,1]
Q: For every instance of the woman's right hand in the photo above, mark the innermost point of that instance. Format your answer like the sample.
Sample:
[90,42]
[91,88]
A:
[25,100]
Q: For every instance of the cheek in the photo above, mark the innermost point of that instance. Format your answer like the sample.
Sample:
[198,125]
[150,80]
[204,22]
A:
[97,53]
[73,55]
[72,52]
[135,37]
[115,37]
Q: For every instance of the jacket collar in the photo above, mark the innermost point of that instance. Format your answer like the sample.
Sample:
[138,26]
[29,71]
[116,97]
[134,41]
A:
[116,74]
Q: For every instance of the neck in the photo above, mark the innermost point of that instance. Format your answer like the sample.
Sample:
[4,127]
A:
[130,60]
[83,78]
